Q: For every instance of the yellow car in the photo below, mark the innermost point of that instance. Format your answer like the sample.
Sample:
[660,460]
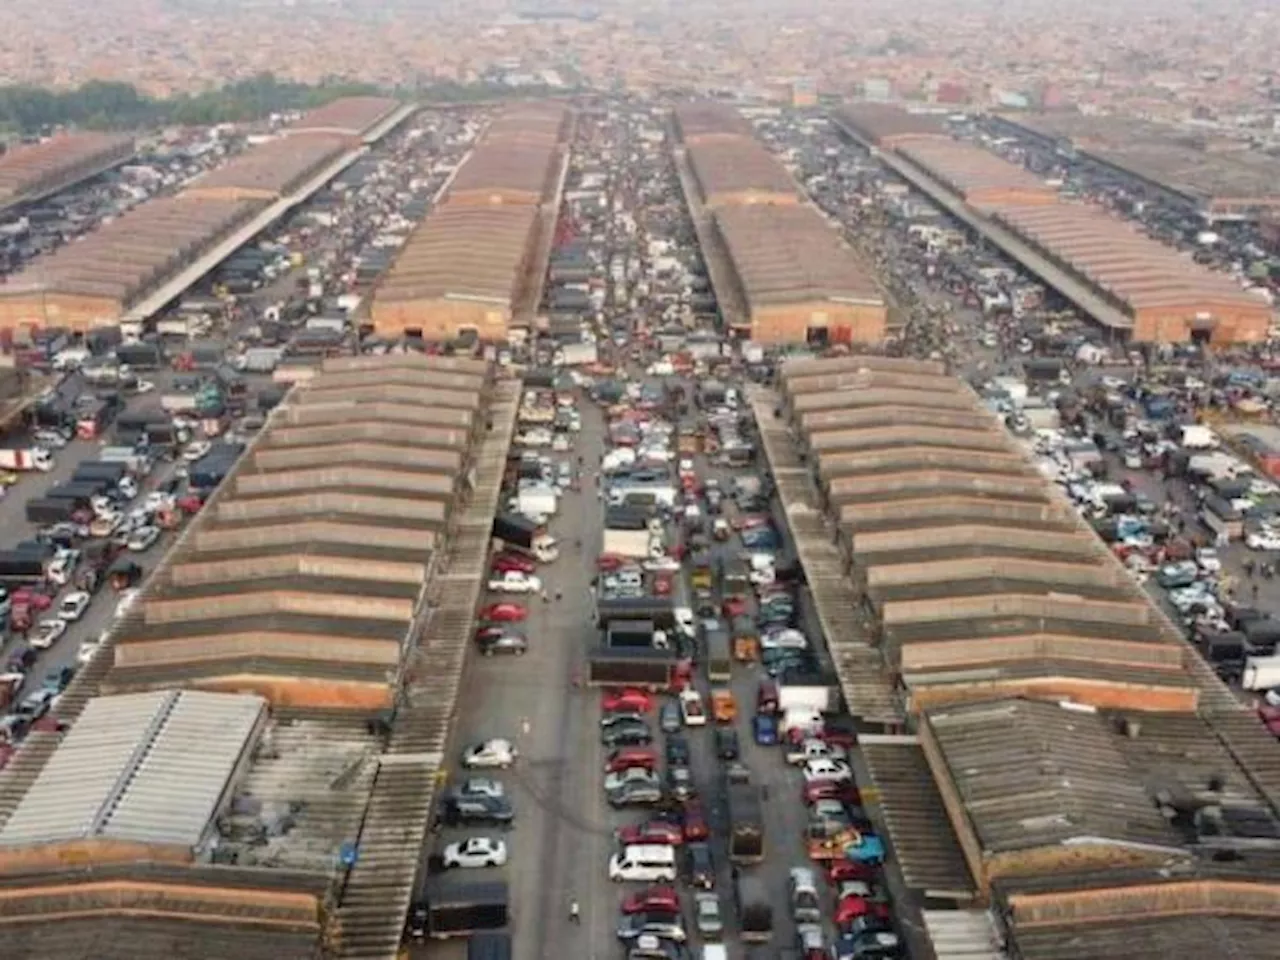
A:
[8,478]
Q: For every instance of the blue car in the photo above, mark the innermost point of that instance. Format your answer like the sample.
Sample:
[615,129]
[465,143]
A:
[765,730]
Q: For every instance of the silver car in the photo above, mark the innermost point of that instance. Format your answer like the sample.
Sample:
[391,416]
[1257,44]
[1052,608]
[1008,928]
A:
[706,910]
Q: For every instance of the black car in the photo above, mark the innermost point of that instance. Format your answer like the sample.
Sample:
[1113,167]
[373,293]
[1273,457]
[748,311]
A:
[727,744]
[702,871]
[680,783]
[477,809]
[677,751]
[630,716]
[490,644]
[629,734]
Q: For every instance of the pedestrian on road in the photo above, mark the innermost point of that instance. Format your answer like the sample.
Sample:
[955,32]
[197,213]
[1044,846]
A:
[574,915]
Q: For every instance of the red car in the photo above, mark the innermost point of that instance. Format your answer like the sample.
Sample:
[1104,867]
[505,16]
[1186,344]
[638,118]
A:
[626,757]
[845,792]
[504,612]
[25,596]
[627,701]
[652,831]
[851,908]
[750,521]
[734,607]
[653,900]
[838,871]
[694,822]
[507,562]
[609,562]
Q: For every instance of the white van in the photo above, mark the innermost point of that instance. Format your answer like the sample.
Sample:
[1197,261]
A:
[644,863]
[715,951]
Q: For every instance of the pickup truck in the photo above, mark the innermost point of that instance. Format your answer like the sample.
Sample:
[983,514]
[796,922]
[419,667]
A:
[813,749]
[515,581]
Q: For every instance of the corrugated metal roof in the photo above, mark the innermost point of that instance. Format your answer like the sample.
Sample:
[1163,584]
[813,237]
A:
[145,767]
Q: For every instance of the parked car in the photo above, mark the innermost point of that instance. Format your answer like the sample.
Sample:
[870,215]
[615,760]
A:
[504,612]
[490,753]
[475,852]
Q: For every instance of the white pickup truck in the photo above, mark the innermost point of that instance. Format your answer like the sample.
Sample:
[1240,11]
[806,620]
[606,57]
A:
[514,581]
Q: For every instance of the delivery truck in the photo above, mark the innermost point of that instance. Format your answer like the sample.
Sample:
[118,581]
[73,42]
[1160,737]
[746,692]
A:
[444,907]
[26,458]
[1261,673]
[44,510]
[638,667]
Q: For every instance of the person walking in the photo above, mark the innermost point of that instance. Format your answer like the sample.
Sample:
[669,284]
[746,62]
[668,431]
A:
[575,915]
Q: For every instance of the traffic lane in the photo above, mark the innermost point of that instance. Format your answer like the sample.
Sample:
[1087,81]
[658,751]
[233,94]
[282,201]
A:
[100,614]
[560,842]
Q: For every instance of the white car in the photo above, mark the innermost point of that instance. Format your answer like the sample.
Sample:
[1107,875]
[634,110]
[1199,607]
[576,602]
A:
[62,567]
[144,386]
[127,599]
[195,451]
[1209,560]
[475,852]
[88,648]
[662,563]
[514,581]
[157,501]
[695,715]
[106,524]
[1262,541]
[50,438]
[47,633]
[143,538]
[834,770]
[74,605]
[490,753]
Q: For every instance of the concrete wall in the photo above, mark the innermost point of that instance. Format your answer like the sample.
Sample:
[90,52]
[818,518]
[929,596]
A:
[198,573]
[960,509]
[287,534]
[1234,323]
[853,489]
[445,462]
[978,651]
[974,568]
[907,436]
[441,320]
[372,430]
[811,402]
[864,379]
[1061,606]
[390,394]
[309,504]
[297,600]
[844,323]
[231,646]
[894,415]
[57,310]
[337,477]
[837,465]
[866,545]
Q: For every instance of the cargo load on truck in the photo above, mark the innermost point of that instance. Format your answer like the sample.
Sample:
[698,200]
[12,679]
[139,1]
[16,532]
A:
[27,458]
[44,510]
[649,668]
[444,907]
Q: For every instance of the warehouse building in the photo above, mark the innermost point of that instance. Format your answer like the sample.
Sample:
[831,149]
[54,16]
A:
[735,171]
[30,172]
[301,579]
[977,176]
[270,170]
[1219,180]
[886,126]
[202,812]
[470,268]
[708,120]
[461,271]
[781,271]
[347,117]
[1059,752]
[800,282]
[1169,297]
[93,282]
